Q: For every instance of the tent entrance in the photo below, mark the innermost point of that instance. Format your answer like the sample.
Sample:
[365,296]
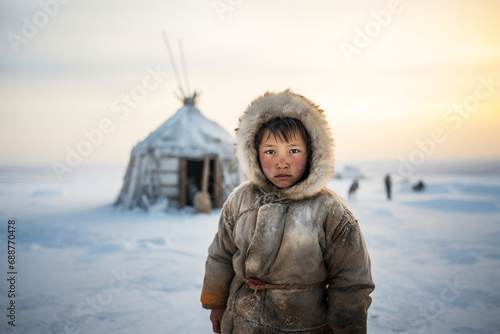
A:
[191,180]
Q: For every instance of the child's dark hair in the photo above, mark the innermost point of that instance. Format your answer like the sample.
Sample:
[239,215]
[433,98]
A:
[284,129]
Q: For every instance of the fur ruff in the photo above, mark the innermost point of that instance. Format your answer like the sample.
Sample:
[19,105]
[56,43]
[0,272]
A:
[286,104]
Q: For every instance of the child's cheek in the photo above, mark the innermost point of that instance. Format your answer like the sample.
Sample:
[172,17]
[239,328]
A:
[301,164]
[265,165]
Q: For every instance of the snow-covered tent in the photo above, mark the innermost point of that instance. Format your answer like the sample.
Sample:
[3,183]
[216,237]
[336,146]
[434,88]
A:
[186,154]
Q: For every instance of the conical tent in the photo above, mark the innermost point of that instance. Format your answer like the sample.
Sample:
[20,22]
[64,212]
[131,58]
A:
[186,154]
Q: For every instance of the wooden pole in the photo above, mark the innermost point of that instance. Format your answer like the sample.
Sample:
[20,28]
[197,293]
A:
[206,172]
[182,182]
[217,183]
[202,202]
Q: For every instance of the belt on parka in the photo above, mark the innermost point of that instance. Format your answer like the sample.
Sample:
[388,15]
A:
[256,285]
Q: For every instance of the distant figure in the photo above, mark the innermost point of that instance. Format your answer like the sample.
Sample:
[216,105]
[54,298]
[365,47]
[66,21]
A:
[388,185]
[419,186]
[352,190]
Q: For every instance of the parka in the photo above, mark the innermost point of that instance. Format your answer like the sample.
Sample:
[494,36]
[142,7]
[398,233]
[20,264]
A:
[287,260]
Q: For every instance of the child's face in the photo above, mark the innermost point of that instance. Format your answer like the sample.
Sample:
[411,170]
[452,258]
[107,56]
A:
[283,163]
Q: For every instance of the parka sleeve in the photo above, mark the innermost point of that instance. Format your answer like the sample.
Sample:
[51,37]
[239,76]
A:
[219,270]
[349,278]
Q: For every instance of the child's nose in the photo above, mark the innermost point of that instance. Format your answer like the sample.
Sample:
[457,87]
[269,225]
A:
[282,163]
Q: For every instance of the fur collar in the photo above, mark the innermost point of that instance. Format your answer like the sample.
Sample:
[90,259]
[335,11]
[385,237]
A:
[286,104]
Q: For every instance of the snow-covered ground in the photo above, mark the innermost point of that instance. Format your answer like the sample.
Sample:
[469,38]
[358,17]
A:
[84,267]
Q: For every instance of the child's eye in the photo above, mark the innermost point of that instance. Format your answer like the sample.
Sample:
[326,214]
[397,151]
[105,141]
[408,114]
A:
[294,150]
[269,152]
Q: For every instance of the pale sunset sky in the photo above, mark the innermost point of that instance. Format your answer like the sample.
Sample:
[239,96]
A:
[393,76]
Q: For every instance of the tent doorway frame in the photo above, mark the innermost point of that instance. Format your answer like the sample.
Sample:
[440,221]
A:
[191,172]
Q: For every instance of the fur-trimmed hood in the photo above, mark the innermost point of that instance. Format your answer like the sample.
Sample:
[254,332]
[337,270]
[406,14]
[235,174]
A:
[286,104]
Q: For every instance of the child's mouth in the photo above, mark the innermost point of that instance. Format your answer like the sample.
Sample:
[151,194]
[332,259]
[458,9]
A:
[283,176]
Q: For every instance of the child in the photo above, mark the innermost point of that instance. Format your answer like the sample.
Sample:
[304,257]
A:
[289,256]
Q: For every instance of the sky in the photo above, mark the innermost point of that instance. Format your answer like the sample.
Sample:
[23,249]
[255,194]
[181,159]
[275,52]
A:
[82,82]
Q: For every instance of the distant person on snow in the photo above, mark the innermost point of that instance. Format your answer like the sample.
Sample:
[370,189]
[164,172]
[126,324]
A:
[352,190]
[388,185]
[289,256]
[419,186]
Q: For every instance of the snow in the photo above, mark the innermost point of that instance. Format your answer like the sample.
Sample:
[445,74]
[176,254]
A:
[188,132]
[85,267]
